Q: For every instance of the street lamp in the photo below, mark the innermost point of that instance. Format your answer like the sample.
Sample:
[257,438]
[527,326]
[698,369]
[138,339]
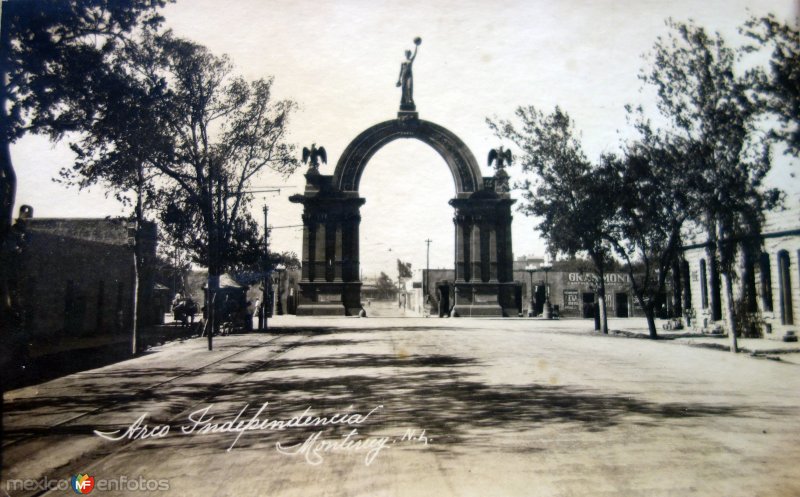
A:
[547,312]
[530,268]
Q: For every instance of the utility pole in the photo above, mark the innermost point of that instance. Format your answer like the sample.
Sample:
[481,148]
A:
[427,273]
[265,294]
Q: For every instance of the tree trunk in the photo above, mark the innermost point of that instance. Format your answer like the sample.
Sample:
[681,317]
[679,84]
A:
[212,284]
[677,289]
[214,253]
[8,191]
[137,259]
[135,311]
[8,177]
[601,301]
[211,304]
[649,313]
[599,264]
[8,185]
[729,315]
[725,273]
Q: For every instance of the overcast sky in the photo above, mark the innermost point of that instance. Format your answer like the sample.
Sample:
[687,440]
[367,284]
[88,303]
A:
[478,59]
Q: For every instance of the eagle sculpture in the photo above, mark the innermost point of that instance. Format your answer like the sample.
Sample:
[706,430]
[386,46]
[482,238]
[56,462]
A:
[313,155]
[502,157]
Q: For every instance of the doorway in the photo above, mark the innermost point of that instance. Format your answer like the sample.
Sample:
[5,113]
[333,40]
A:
[621,300]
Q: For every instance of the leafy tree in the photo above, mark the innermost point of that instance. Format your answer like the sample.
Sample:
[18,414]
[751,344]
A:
[171,268]
[575,209]
[287,258]
[52,55]
[651,182]
[710,110]
[202,131]
[385,286]
[575,264]
[183,227]
[254,272]
[778,88]
[403,272]
[403,269]
[121,109]
[52,58]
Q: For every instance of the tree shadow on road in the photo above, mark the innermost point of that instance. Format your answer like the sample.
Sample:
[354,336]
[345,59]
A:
[443,394]
[433,393]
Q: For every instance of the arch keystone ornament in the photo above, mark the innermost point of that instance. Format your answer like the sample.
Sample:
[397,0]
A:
[330,283]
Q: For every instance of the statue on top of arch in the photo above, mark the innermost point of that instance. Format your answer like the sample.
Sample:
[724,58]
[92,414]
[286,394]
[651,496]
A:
[501,159]
[406,79]
[313,156]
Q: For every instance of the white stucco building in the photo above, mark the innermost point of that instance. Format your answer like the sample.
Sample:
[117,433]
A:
[768,284]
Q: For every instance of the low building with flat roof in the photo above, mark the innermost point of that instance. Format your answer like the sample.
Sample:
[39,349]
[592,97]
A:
[77,279]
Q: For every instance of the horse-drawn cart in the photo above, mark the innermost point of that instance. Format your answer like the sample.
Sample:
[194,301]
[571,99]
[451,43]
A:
[183,311]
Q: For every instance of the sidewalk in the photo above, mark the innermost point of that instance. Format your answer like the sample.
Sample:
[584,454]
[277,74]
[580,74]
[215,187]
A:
[54,420]
[637,328]
[618,327]
[56,358]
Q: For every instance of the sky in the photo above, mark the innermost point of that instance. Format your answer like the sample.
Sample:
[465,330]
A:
[478,59]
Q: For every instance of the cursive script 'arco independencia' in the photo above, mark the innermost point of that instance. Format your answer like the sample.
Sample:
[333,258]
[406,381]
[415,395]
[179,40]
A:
[202,423]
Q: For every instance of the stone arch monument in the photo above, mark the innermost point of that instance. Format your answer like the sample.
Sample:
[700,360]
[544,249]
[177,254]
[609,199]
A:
[330,283]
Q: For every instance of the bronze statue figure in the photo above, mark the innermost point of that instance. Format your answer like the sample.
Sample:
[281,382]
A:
[406,78]
[502,157]
[313,155]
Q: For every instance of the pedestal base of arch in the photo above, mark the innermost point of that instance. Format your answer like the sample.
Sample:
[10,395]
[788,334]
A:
[329,299]
[330,284]
[485,300]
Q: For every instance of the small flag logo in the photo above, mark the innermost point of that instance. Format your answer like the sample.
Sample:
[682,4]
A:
[82,483]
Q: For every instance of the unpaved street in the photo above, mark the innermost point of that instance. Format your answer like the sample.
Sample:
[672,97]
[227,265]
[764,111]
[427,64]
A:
[508,407]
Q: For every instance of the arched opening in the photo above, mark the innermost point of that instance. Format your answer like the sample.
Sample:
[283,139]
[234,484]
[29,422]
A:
[687,287]
[766,281]
[716,295]
[462,164]
[749,282]
[406,186]
[785,287]
[703,284]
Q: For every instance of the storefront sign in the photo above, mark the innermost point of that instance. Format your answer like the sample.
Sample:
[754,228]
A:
[611,279]
[572,299]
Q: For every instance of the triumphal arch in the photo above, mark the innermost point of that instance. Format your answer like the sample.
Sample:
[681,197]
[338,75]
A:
[330,283]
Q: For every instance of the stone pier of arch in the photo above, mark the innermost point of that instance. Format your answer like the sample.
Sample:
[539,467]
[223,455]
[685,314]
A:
[330,283]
